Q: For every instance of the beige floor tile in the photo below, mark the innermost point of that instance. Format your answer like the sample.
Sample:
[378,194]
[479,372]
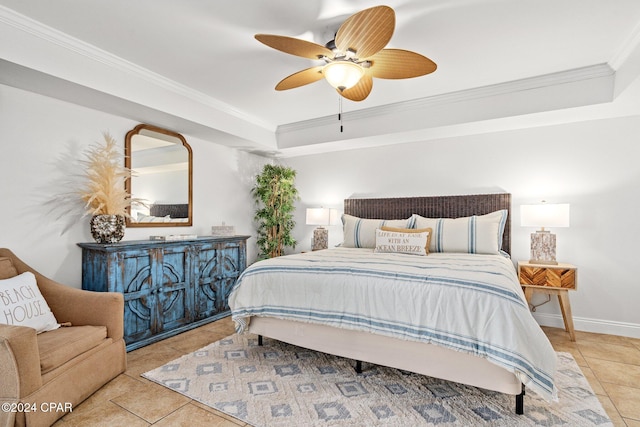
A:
[117,386]
[573,349]
[193,416]
[104,414]
[194,342]
[146,359]
[217,413]
[222,324]
[615,372]
[557,335]
[155,403]
[177,339]
[611,411]
[120,385]
[612,352]
[604,338]
[632,423]
[593,381]
[147,350]
[626,399]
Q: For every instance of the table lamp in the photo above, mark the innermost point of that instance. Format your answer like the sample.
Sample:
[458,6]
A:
[543,242]
[320,217]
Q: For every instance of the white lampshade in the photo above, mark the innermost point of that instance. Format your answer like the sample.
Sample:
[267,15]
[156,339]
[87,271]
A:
[543,243]
[342,74]
[321,216]
[545,215]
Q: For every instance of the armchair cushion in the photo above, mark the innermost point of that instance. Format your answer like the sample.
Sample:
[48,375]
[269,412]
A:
[7,269]
[62,345]
[22,304]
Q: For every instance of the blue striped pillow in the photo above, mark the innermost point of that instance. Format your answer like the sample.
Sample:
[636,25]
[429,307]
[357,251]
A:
[473,234]
[361,232]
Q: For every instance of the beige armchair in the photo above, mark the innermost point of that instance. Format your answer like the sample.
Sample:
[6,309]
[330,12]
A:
[52,372]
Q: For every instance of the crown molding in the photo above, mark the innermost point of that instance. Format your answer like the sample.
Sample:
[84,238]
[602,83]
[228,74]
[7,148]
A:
[537,82]
[565,89]
[626,49]
[93,53]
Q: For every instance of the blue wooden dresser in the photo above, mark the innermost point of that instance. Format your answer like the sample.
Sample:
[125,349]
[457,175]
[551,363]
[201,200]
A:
[168,286]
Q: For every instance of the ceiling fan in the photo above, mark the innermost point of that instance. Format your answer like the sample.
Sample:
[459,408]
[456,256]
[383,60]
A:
[354,57]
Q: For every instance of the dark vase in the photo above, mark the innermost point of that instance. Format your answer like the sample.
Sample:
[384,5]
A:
[107,228]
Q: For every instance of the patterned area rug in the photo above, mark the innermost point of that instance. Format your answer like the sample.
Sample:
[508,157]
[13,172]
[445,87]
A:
[282,385]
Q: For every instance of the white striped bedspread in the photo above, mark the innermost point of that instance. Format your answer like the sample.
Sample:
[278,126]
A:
[465,302]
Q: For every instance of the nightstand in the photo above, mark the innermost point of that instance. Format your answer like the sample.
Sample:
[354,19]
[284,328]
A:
[553,280]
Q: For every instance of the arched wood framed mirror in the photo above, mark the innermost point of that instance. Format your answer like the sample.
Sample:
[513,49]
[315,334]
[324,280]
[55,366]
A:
[162,176]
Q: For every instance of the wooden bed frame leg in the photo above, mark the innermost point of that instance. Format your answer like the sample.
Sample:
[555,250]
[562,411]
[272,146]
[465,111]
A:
[520,402]
[260,340]
[358,366]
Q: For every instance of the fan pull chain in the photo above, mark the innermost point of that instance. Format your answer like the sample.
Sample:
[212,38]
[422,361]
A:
[340,112]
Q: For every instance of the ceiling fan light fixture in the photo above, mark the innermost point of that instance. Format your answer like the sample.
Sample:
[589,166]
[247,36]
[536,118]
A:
[354,57]
[343,74]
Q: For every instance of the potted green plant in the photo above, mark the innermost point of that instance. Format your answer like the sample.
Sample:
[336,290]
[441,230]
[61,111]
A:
[275,193]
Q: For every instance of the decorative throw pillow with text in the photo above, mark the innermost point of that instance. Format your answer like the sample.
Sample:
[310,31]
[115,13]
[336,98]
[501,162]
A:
[401,243]
[22,304]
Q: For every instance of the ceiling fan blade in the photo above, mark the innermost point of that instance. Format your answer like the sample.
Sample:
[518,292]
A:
[367,32]
[294,46]
[301,78]
[399,64]
[360,91]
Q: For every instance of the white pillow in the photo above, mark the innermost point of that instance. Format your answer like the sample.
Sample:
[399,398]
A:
[361,233]
[22,304]
[401,243]
[473,234]
[150,218]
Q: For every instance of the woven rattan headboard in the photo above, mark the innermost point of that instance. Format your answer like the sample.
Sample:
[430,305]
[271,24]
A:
[180,210]
[434,207]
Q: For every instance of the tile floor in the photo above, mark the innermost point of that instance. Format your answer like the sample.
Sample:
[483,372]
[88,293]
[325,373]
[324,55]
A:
[610,363]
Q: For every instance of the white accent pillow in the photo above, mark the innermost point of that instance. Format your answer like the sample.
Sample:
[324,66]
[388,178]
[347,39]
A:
[149,218]
[401,243]
[473,234]
[361,233]
[22,304]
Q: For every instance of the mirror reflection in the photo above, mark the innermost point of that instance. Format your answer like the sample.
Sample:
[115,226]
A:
[160,161]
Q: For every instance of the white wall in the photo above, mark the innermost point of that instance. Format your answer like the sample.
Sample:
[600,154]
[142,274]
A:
[37,131]
[591,165]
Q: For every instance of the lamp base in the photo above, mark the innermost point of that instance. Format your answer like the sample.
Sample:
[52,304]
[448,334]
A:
[320,239]
[543,248]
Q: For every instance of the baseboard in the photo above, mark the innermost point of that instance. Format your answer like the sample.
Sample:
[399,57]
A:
[599,326]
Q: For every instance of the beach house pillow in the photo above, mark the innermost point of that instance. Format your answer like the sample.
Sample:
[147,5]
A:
[401,243]
[22,304]
[473,234]
[361,233]
[413,230]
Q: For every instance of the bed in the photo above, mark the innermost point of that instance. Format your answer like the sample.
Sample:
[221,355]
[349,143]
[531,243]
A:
[355,303]
[164,213]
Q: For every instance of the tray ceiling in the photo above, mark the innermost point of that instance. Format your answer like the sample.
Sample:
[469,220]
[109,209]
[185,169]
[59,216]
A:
[196,65]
